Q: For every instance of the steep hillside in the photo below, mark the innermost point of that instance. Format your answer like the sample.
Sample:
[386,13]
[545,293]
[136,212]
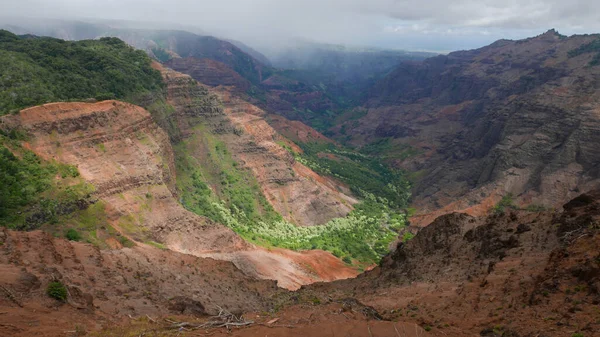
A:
[43,70]
[515,117]
[129,170]
[254,144]
[210,72]
[118,149]
[104,286]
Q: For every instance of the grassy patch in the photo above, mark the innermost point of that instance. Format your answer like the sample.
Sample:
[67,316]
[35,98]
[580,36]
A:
[156,245]
[35,191]
[505,203]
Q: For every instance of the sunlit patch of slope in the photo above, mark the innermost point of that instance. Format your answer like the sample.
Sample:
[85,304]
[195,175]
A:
[41,70]
[35,191]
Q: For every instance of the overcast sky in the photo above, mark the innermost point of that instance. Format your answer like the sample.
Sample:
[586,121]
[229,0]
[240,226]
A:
[437,25]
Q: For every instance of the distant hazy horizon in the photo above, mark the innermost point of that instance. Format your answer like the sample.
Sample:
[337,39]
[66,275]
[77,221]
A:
[434,26]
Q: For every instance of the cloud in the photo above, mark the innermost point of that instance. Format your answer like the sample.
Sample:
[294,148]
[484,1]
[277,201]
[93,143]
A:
[387,23]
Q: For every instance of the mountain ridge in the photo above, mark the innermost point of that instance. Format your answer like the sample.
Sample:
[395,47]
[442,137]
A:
[483,124]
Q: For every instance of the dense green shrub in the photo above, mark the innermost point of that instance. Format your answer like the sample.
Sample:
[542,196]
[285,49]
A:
[506,202]
[30,188]
[72,235]
[41,70]
[22,179]
[57,290]
[362,172]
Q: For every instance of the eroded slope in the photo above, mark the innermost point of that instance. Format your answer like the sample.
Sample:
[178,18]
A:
[295,191]
[119,149]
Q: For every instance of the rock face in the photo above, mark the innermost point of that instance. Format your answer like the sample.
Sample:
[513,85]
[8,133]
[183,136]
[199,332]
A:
[518,117]
[468,275]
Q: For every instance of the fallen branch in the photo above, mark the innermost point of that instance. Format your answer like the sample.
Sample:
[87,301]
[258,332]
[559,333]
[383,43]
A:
[224,319]
[397,332]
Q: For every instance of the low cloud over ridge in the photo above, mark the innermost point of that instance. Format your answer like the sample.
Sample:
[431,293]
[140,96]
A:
[407,24]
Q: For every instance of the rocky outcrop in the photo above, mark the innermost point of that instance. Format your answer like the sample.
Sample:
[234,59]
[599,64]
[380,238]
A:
[516,117]
[517,274]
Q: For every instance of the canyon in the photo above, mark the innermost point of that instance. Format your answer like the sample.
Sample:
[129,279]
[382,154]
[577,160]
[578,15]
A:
[193,187]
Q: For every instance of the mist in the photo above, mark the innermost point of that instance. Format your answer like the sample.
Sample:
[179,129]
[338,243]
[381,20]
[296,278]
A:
[433,25]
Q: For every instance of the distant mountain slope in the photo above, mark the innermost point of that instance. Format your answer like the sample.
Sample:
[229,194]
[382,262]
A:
[69,30]
[252,52]
[516,117]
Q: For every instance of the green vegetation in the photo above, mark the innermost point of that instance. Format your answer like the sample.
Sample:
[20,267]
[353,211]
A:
[535,208]
[235,190]
[57,291]
[72,235]
[156,245]
[212,185]
[506,202]
[35,191]
[407,236]
[161,54]
[384,149]
[41,70]
[50,196]
[364,173]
